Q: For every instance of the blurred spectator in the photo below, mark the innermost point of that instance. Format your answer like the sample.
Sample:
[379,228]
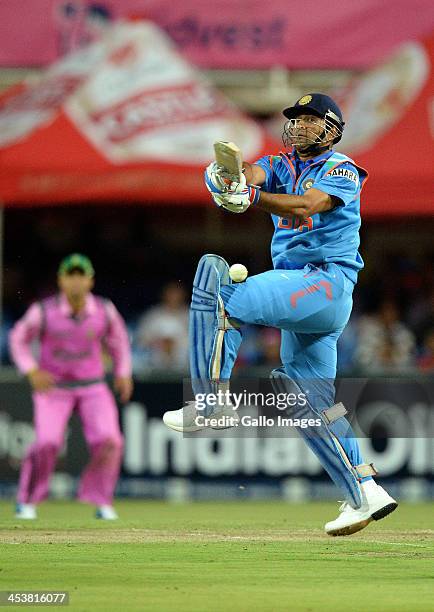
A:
[4,333]
[421,317]
[347,346]
[260,347]
[162,332]
[384,342]
[269,346]
[425,361]
[248,355]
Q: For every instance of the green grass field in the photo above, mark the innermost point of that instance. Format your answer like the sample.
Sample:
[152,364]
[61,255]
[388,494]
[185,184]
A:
[236,556]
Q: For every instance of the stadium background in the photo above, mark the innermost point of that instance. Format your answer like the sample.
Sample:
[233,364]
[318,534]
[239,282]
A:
[142,215]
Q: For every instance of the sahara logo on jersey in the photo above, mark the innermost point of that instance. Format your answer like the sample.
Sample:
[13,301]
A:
[345,173]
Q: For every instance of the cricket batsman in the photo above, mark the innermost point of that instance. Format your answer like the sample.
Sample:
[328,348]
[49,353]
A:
[71,329]
[313,196]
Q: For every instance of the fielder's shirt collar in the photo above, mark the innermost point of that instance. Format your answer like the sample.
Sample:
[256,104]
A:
[89,307]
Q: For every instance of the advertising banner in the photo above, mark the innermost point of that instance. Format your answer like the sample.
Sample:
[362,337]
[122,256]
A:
[124,118]
[231,35]
[128,120]
[394,419]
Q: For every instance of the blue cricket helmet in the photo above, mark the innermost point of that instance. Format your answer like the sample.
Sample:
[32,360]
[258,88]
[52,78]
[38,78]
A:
[320,105]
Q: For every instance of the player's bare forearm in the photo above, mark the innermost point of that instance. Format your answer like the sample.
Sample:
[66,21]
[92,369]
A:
[255,175]
[283,205]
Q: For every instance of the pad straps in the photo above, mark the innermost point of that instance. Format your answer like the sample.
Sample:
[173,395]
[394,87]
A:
[334,413]
[363,470]
[223,325]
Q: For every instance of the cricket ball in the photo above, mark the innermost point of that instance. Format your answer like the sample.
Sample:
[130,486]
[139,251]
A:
[238,273]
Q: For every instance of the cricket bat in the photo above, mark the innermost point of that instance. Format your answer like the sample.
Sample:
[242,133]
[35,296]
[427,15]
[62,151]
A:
[229,156]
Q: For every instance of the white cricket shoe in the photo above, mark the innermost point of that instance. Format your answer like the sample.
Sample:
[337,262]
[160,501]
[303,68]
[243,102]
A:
[25,511]
[106,513]
[189,419]
[376,504]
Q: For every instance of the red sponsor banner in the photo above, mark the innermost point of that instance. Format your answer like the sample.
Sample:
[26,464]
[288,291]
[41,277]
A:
[393,107]
[226,34]
[123,119]
[166,107]
[104,125]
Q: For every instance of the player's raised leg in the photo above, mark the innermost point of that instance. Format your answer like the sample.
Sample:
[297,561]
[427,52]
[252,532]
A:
[214,342]
[52,410]
[99,416]
[277,298]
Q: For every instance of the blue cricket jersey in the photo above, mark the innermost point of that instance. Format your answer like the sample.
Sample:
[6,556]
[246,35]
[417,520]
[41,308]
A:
[331,236]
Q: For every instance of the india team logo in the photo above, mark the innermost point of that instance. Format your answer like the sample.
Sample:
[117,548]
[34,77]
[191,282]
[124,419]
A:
[307,184]
[305,100]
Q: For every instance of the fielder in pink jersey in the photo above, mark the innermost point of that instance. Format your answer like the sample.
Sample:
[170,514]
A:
[72,328]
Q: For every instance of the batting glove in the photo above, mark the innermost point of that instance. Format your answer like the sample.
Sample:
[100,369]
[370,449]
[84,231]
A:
[214,180]
[237,202]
